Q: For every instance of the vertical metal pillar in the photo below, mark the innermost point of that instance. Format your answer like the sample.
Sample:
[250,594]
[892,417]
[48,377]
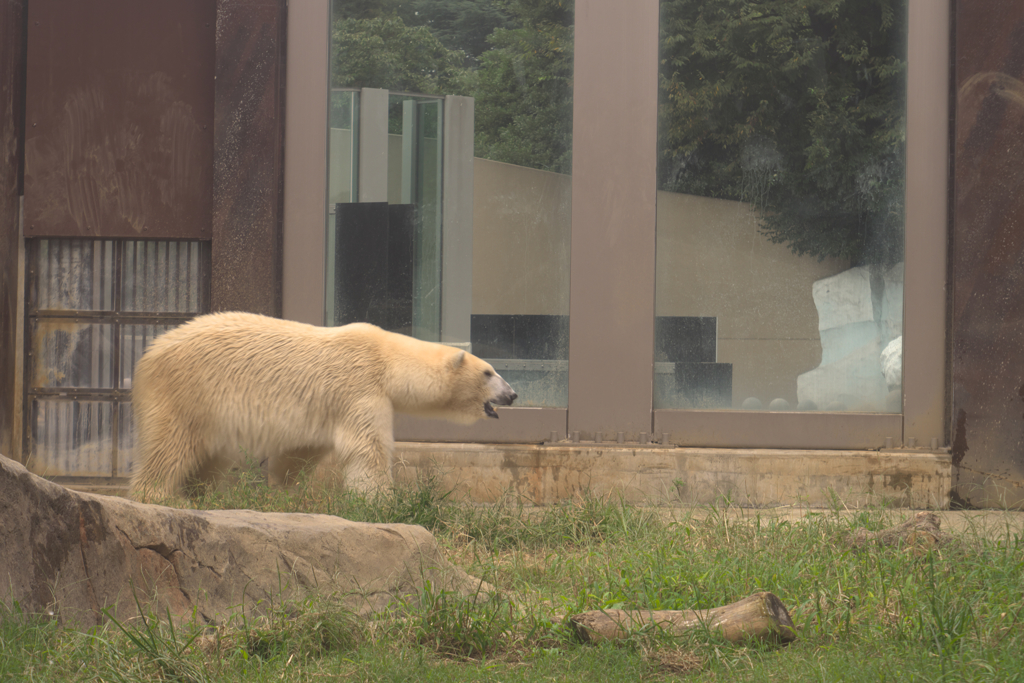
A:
[614,183]
[457,221]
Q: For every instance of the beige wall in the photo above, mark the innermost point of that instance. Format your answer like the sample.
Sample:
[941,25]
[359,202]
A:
[429,160]
[339,168]
[520,240]
[711,261]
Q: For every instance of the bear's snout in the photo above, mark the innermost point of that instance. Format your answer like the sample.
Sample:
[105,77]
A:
[501,394]
[506,399]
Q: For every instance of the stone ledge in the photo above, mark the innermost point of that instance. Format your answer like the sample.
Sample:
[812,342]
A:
[658,475]
[544,475]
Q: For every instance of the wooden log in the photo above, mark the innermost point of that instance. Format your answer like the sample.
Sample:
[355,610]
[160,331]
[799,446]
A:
[919,533]
[762,616]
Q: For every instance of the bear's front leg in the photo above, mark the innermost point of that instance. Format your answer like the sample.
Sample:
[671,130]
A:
[367,480]
[363,462]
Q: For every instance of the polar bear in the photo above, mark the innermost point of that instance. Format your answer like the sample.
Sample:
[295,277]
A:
[230,386]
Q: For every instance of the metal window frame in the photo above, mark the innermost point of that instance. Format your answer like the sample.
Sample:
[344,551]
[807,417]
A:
[116,317]
[612,285]
[923,421]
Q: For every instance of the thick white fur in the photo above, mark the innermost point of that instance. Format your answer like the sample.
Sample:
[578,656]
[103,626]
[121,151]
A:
[228,386]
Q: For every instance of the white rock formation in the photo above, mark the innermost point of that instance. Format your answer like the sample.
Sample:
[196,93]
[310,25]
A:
[859,312]
[892,303]
[892,363]
[844,299]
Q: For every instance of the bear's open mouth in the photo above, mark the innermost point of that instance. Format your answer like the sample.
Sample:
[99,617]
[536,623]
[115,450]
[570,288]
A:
[489,409]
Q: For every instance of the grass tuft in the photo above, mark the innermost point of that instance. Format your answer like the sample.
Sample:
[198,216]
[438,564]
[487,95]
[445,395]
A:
[954,611]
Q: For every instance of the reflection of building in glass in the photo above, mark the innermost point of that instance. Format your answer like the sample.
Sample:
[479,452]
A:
[400,187]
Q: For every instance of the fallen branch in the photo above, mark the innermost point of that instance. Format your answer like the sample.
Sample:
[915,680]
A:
[762,616]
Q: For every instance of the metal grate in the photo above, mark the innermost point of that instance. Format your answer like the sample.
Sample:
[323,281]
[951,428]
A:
[93,307]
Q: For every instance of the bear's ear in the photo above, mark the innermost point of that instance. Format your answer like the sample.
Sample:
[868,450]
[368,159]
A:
[457,360]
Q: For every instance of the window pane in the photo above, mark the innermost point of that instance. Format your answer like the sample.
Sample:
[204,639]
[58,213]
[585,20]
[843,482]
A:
[162,277]
[126,441]
[74,275]
[449,161]
[134,341]
[71,438]
[80,365]
[780,205]
[342,142]
[72,355]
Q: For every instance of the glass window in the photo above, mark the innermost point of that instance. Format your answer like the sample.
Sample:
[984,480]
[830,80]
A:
[448,180]
[780,228]
[94,306]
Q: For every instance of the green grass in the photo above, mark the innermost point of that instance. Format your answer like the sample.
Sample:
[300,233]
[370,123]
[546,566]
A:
[953,613]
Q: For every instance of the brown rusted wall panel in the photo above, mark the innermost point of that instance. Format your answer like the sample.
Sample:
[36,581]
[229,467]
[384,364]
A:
[988,254]
[119,118]
[249,156]
[12,102]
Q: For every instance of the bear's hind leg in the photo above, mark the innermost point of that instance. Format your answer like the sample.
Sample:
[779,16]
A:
[169,460]
[163,473]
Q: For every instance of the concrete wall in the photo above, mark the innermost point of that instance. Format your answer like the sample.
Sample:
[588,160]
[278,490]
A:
[711,261]
[520,240]
[544,475]
[339,174]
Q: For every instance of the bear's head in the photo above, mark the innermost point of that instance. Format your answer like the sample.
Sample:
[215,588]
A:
[494,390]
[438,381]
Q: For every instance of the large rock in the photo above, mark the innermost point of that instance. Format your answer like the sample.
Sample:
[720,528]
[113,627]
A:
[77,554]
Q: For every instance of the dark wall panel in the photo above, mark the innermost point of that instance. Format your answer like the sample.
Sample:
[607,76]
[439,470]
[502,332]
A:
[12,85]
[361,264]
[119,109]
[373,264]
[249,156]
[988,254]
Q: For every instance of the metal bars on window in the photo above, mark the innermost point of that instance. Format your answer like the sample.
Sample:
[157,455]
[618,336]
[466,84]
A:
[93,307]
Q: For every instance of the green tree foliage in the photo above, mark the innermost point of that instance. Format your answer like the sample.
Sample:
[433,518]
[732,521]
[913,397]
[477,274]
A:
[521,51]
[797,106]
[459,24]
[383,52]
[522,84]
[524,87]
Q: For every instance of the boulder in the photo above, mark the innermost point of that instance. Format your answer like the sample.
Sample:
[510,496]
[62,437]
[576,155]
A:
[79,556]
